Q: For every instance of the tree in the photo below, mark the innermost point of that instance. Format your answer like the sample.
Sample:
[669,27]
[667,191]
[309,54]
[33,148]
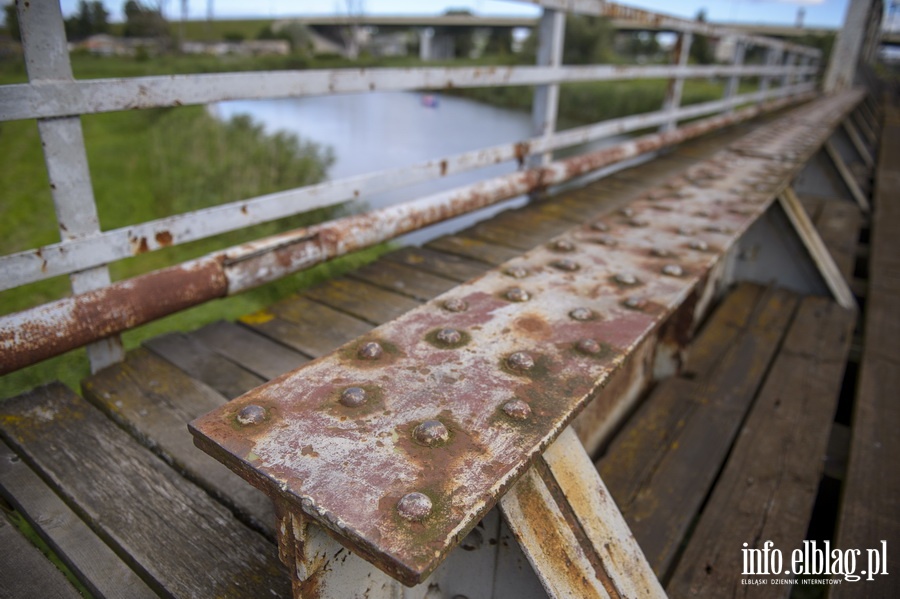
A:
[589,40]
[90,19]
[701,51]
[12,21]
[500,42]
[144,21]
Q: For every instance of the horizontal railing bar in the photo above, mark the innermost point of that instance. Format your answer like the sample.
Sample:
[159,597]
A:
[76,255]
[663,22]
[39,333]
[69,98]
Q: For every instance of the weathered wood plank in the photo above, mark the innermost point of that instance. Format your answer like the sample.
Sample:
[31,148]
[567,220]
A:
[25,572]
[362,300]
[256,353]
[154,401]
[476,249]
[306,326]
[416,284]
[88,557]
[183,542]
[838,224]
[671,451]
[198,361]
[439,263]
[768,487]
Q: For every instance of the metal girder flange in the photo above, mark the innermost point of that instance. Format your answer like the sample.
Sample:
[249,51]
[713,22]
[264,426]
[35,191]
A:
[400,441]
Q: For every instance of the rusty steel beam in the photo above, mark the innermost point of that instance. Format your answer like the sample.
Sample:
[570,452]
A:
[401,440]
[45,331]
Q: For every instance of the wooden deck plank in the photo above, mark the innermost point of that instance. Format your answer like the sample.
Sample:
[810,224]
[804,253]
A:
[25,572]
[182,541]
[307,326]
[416,284]
[439,263]
[463,245]
[838,224]
[768,487]
[362,300]
[154,401]
[197,360]
[83,552]
[671,451]
[521,234]
[256,353]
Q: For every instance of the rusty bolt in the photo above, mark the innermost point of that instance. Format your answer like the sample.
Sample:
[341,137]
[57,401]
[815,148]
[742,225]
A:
[562,245]
[634,303]
[588,346]
[566,264]
[629,212]
[517,294]
[638,222]
[516,272]
[251,414]
[607,241]
[673,270]
[449,336]
[431,432]
[600,226]
[414,507]
[626,278]
[370,351]
[699,245]
[685,231]
[702,213]
[520,361]
[661,253]
[517,409]
[353,397]
[455,304]
[581,314]
[716,229]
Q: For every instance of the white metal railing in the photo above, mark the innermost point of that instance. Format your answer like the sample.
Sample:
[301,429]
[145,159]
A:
[57,101]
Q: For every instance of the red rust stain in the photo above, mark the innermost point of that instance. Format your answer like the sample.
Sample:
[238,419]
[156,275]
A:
[164,238]
[443,168]
[244,209]
[522,150]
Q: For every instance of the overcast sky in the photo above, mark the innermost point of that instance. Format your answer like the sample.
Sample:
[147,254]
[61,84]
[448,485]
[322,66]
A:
[818,12]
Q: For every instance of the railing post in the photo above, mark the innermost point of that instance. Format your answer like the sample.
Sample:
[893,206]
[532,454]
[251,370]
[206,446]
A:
[772,56]
[734,83]
[676,84]
[551,34]
[47,59]
[790,61]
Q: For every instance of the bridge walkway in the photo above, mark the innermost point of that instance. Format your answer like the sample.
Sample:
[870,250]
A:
[131,508]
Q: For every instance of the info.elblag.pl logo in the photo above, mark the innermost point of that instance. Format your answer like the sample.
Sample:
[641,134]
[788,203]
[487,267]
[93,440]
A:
[814,560]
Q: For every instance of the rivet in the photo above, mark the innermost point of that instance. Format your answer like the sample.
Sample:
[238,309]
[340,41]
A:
[638,222]
[516,272]
[661,253]
[685,231]
[414,507]
[251,414]
[431,432]
[683,194]
[600,226]
[562,245]
[627,212]
[456,304]
[520,361]
[699,245]
[517,294]
[626,278]
[588,346]
[634,303]
[673,270]
[370,351]
[581,314]
[566,264]
[702,214]
[517,409]
[716,229]
[607,241]
[353,397]
[449,336]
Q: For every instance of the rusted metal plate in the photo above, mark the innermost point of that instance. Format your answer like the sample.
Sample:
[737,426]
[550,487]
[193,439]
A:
[402,439]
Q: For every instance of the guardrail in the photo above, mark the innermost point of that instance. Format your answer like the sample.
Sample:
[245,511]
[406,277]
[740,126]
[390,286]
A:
[99,310]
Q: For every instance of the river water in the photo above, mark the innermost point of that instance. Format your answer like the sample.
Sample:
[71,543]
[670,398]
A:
[380,130]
